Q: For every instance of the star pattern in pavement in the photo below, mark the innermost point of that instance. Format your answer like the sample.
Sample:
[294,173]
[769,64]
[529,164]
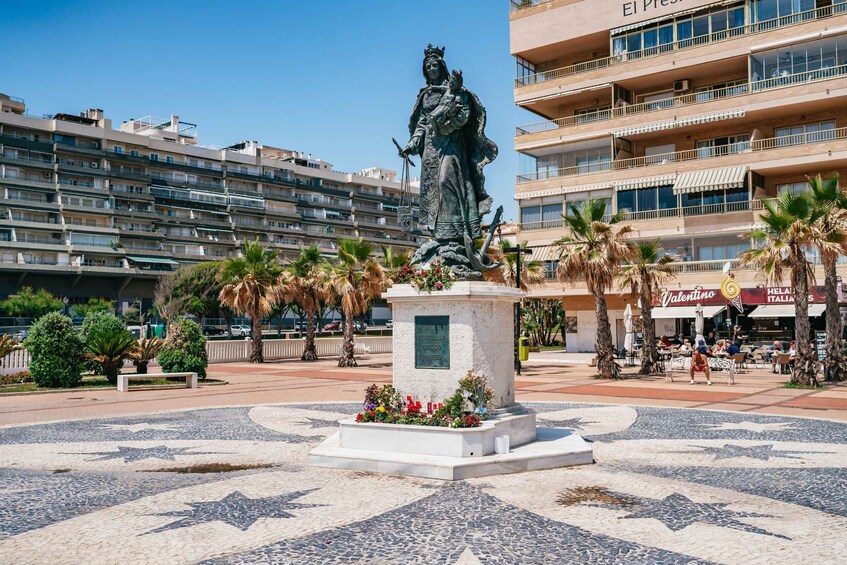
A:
[678,512]
[755,427]
[131,454]
[314,423]
[760,452]
[571,423]
[236,510]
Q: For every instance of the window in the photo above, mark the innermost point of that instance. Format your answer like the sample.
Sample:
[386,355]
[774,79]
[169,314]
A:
[154,157]
[720,90]
[721,252]
[765,10]
[794,188]
[118,149]
[806,133]
[728,145]
[813,60]
[646,200]
[169,159]
[134,153]
[660,154]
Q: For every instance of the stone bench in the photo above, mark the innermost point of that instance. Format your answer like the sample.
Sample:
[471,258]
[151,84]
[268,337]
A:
[123,380]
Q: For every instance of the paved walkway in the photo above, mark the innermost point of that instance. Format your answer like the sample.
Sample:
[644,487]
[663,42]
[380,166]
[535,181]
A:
[231,485]
[546,377]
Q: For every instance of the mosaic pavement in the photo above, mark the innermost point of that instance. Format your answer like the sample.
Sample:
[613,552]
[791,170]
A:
[668,486]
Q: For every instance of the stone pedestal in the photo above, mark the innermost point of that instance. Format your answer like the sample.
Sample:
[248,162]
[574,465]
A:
[478,318]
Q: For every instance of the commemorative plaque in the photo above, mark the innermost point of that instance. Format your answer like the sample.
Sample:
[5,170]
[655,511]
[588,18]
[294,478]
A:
[432,342]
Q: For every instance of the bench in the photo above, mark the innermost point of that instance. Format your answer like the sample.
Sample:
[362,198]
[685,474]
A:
[361,349]
[718,366]
[123,380]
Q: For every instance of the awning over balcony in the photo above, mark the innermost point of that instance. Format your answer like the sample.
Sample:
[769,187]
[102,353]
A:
[710,179]
[784,311]
[637,25]
[644,182]
[152,260]
[562,190]
[660,126]
[546,253]
[684,312]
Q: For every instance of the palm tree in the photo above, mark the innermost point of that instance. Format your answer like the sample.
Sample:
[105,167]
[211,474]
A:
[249,287]
[7,345]
[393,260]
[109,349]
[787,231]
[355,278]
[831,242]
[144,352]
[303,284]
[532,272]
[647,270]
[593,248]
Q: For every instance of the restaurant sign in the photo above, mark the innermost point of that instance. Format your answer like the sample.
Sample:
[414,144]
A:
[751,296]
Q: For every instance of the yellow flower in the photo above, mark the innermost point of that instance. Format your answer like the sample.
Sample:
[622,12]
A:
[381,409]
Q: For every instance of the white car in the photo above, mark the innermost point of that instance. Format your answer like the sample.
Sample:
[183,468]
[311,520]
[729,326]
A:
[240,331]
[389,324]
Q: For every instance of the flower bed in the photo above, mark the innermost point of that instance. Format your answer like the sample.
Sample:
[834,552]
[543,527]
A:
[434,278]
[467,408]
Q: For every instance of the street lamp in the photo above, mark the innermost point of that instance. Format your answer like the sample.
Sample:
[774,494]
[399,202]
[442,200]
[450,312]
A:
[518,251]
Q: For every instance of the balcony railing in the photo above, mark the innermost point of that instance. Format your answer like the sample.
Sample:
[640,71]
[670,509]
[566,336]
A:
[688,155]
[544,225]
[716,265]
[718,37]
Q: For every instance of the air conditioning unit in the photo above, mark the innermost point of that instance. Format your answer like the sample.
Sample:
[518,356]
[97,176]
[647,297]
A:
[95,165]
[95,145]
[47,174]
[681,86]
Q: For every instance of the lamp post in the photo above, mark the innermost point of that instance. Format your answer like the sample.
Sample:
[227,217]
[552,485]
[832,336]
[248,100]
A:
[65,307]
[518,251]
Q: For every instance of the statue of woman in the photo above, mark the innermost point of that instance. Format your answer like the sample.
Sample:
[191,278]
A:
[447,130]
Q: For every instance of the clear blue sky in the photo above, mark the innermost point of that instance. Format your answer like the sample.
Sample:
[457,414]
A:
[335,78]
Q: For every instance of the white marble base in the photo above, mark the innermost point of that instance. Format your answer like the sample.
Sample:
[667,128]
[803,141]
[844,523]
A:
[553,448]
[481,338]
[442,442]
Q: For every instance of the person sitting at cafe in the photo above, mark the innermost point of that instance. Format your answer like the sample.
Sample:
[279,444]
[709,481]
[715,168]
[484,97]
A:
[734,347]
[792,351]
[664,341]
[704,349]
[720,347]
[677,340]
[711,339]
[685,348]
[774,349]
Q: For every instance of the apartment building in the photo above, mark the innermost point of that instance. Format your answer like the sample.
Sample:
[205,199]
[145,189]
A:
[686,115]
[88,210]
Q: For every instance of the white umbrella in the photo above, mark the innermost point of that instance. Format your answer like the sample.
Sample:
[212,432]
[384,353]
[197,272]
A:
[699,325]
[627,322]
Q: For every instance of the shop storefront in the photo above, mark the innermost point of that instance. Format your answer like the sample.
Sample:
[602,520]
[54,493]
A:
[761,314]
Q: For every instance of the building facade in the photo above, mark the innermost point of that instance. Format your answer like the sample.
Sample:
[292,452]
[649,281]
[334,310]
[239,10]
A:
[686,115]
[88,210]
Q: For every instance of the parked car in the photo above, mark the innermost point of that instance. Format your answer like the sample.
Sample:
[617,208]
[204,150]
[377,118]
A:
[389,324]
[333,326]
[359,326]
[21,335]
[240,331]
[212,330]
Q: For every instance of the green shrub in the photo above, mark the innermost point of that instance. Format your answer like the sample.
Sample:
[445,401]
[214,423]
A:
[16,378]
[56,352]
[184,350]
[98,321]
[109,349]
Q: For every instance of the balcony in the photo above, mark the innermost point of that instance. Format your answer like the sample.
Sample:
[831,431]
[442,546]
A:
[713,38]
[762,145]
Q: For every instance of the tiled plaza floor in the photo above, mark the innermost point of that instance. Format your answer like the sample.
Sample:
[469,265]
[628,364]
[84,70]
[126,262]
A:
[668,486]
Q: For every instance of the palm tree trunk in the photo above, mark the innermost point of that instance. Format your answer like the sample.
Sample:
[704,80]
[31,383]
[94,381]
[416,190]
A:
[346,359]
[804,363]
[649,354]
[310,353]
[836,368]
[606,365]
[256,353]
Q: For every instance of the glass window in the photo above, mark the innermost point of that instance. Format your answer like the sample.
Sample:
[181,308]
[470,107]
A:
[667,199]
[626,201]
[684,30]
[633,43]
[701,26]
[666,35]
[691,199]
[531,214]
[737,195]
[551,212]
[651,38]
[647,199]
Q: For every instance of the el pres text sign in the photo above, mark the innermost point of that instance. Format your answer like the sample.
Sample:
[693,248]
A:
[647,7]
[432,342]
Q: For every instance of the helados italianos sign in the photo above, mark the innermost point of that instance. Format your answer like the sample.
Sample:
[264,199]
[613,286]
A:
[749,296]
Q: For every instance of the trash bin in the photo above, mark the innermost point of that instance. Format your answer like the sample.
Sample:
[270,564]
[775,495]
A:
[523,348]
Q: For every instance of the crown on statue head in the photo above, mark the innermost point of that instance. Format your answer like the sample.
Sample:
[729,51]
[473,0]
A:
[437,51]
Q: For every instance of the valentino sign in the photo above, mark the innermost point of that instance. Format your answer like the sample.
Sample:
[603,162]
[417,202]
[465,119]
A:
[751,296]
[635,7]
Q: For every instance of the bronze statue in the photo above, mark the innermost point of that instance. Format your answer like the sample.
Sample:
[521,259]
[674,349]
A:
[447,131]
